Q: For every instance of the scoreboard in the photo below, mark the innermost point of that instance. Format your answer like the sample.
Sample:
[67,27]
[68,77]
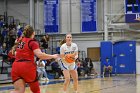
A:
[132,11]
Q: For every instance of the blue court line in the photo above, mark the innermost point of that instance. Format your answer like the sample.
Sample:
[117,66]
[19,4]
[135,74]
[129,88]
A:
[44,83]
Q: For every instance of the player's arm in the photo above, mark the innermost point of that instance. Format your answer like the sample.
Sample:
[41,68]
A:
[43,56]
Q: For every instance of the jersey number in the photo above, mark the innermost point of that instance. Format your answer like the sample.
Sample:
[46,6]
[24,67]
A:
[21,45]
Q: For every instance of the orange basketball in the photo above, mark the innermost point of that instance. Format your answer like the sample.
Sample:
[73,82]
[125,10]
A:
[69,58]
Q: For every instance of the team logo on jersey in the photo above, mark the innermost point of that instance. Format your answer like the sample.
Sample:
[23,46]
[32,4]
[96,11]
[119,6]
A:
[70,52]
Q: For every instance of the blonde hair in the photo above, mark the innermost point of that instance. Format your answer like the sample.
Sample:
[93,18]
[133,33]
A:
[62,42]
[28,31]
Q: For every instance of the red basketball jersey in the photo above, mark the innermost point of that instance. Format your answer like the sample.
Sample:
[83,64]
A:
[25,49]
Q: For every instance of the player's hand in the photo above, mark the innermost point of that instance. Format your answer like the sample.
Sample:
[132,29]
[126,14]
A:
[72,56]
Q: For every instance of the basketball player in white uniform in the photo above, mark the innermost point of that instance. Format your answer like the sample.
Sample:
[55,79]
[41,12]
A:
[69,68]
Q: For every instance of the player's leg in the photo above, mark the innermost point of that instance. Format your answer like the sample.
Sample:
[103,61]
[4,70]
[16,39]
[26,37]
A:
[67,79]
[45,73]
[34,86]
[110,70]
[31,77]
[19,86]
[40,73]
[74,76]
[65,70]
[104,68]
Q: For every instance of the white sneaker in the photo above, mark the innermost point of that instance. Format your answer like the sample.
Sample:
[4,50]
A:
[61,77]
[43,79]
[85,75]
[47,79]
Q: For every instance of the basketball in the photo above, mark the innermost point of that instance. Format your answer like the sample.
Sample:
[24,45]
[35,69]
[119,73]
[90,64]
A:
[69,58]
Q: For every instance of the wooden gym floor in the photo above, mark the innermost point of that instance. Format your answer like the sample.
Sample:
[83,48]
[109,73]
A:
[114,84]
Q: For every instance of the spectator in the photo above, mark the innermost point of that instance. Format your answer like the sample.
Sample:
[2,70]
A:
[1,50]
[87,66]
[107,67]
[79,66]
[41,69]
[90,65]
[1,24]
[60,43]
[11,41]
[45,41]
[58,50]
[19,33]
[56,68]
[1,39]
[5,32]
[18,27]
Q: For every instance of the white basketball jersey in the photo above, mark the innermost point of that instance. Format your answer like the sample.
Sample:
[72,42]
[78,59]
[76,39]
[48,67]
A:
[64,49]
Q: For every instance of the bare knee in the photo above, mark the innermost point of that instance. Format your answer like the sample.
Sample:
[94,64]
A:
[75,79]
[19,90]
[67,80]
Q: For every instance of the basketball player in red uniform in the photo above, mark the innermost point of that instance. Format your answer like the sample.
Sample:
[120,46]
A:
[24,68]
